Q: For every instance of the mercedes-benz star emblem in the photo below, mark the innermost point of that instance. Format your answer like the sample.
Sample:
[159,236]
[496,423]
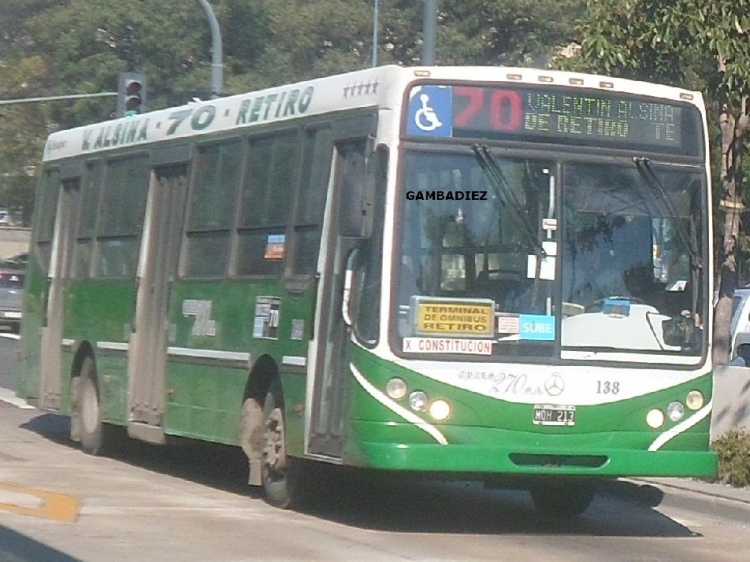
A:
[554,385]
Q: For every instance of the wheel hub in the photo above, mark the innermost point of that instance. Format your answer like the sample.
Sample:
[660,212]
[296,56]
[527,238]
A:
[274,453]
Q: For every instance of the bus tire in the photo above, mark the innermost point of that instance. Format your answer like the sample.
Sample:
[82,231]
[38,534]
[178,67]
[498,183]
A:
[283,477]
[92,429]
[563,499]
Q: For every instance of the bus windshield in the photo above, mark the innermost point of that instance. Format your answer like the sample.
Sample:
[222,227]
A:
[613,267]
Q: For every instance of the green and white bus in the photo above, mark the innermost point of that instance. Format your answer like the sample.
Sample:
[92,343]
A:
[500,274]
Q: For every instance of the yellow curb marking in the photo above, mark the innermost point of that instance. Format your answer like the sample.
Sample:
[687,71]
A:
[58,507]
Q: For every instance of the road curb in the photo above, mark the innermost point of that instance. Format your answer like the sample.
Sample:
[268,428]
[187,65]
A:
[9,397]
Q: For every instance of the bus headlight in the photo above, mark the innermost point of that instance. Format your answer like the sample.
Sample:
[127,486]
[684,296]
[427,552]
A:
[694,400]
[418,400]
[675,411]
[396,388]
[655,418]
[440,410]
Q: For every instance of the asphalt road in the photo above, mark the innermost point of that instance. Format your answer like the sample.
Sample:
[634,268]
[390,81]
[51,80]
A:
[7,359]
[190,503]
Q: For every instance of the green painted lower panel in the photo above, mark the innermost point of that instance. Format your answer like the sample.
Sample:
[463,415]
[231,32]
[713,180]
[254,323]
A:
[294,385]
[205,402]
[112,372]
[498,451]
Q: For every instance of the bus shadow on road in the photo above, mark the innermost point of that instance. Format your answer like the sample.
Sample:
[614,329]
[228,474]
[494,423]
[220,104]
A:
[210,464]
[401,503]
[20,548]
[419,506]
[53,427]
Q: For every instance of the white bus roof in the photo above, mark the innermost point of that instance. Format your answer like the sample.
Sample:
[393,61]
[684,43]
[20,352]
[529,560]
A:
[380,87]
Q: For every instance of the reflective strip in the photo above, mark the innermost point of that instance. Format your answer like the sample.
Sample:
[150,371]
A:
[629,357]
[294,360]
[681,427]
[209,354]
[396,408]
[113,345]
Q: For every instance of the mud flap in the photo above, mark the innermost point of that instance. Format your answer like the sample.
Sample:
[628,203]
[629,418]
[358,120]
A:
[252,439]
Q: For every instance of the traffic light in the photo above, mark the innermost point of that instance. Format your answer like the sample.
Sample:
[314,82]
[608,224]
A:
[131,94]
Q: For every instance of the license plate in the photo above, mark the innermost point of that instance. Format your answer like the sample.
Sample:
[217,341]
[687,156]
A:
[12,314]
[554,415]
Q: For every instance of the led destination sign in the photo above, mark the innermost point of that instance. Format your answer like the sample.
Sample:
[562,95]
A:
[553,114]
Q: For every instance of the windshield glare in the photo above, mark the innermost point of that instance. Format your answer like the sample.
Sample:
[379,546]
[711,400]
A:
[488,268]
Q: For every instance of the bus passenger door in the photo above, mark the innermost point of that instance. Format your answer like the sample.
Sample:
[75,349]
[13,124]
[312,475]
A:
[57,274]
[329,357]
[157,267]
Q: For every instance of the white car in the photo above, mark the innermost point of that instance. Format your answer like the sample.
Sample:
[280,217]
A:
[740,326]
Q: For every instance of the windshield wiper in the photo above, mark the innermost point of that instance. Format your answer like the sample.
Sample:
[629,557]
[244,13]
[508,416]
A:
[643,165]
[505,193]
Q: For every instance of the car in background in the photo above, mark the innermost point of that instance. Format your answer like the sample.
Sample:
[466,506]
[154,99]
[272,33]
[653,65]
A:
[11,299]
[739,328]
[15,262]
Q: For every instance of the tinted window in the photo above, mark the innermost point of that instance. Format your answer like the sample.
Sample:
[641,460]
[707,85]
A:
[121,217]
[266,204]
[87,223]
[212,206]
[311,201]
[49,188]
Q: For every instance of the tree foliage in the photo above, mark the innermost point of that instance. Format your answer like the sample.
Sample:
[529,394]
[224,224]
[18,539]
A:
[61,47]
[696,44]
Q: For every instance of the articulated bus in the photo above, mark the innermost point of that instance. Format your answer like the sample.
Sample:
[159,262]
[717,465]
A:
[498,274]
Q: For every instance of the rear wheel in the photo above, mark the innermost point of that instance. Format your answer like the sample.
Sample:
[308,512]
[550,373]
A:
[286,482]
[92,430]
[563,499]
[97,437]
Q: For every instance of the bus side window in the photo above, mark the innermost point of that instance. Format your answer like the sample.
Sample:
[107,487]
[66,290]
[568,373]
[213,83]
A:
[370,267]
[311,200]
[47,195]
[89,205]
[121,217]
[212,209]
[355,191]
[266,204]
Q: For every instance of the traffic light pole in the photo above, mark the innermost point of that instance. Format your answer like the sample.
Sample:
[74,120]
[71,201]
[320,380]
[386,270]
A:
[54,98]
[217,67]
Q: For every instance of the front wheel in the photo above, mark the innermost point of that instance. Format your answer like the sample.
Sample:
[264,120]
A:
[286,480]
[563,499]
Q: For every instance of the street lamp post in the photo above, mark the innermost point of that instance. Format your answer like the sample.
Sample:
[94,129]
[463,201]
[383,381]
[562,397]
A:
[217,67]
[375,25]
[429,32]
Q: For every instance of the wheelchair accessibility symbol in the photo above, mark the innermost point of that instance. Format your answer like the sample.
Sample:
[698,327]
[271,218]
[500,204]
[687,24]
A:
[426,118]
[430,112]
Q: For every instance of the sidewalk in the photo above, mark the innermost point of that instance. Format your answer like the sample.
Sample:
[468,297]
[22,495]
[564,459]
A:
[716,490]
[715,499]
